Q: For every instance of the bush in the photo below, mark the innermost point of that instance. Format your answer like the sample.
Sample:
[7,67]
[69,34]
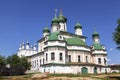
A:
[4,71]
[16,70]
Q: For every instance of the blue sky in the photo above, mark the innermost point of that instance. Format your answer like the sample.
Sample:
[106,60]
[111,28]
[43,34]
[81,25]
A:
[22,20]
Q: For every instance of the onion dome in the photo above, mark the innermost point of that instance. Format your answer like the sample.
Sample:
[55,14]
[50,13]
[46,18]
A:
[78,25]
[46,29]
[55,20]
[27,43]
[95,34]
[61,17]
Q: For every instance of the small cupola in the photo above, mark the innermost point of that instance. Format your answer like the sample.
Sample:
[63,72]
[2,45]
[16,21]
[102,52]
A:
[78,25]
[95,37]
[62,17]
[55,20]
[95,34]
[55,23]
[46,31]
[78,29]
[62,22]
[27,45]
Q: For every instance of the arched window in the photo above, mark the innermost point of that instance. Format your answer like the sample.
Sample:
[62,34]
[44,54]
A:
[99,60]
[52,56]
[61,56]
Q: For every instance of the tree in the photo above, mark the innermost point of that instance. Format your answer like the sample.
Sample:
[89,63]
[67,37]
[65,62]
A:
[18,65]
[2,61]
[116,35]
[3,69]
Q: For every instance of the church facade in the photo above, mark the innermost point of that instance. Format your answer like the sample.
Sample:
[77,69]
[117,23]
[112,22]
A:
[60,51]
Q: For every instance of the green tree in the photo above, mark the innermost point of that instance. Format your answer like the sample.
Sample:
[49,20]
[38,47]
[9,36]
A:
[18,65]
[2,61]
[116,35]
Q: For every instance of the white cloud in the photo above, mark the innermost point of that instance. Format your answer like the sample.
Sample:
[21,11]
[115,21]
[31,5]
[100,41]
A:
[108,59]
[111,49]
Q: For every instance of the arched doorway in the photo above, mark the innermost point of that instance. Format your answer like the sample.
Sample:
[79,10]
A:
[95,70]
[84,70]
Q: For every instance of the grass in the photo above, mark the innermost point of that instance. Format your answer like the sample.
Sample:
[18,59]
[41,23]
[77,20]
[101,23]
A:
[69,75]
[28,76]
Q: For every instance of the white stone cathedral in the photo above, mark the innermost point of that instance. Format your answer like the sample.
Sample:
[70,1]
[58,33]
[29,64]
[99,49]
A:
[60,51]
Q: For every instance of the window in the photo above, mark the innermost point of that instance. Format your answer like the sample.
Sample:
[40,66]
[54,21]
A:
[52,56]
[61,58]
[79,58]
[69,58]
[40,61]
[35,63]
[104,61]
[86,58]
[99,60]
[43,61]
[60,37]
[46,57]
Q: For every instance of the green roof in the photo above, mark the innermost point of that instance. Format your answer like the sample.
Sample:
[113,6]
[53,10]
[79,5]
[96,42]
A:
[75,41]
[61,19]
[53,36]
[55,20]
[46,29]
[95,34]
[97,46]
[78,25]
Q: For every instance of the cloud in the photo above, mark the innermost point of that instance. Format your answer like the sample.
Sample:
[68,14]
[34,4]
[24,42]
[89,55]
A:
[111,49]
[108,59]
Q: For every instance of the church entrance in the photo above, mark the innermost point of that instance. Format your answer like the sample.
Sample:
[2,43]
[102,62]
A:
[84,70]
[95,70]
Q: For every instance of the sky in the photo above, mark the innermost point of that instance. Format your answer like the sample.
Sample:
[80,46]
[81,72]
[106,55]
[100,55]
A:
[24,20]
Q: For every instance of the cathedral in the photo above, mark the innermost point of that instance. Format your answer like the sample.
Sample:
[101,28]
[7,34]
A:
[60,51]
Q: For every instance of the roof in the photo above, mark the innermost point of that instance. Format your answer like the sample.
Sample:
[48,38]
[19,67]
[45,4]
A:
[61,19]
[97,46]
[53,36]
[75,41]
[46,29]
[55,20]
[95,34]
[78,25]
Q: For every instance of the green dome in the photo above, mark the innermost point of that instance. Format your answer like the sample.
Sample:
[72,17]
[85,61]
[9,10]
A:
[55,20]
[78,25]
[95,34]
[46,29]
[61,19]
[97,46]
[75,41]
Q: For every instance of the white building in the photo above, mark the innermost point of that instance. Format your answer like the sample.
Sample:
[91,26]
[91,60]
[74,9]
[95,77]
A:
[60,51]
[26,49]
